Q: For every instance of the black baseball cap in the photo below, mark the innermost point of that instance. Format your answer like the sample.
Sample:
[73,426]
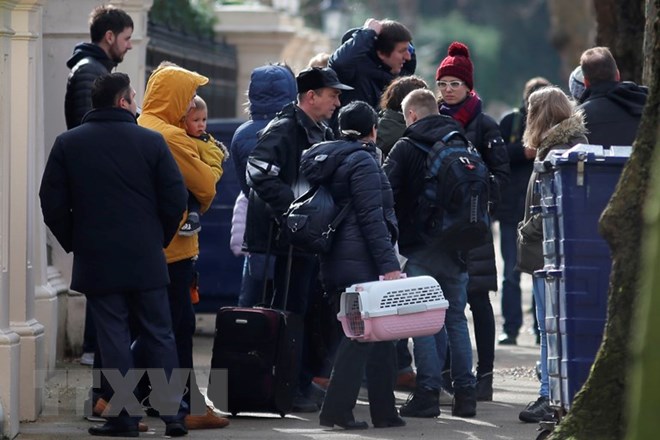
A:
[317,78]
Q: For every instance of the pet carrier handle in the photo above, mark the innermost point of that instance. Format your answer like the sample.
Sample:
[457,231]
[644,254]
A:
[403,275]
[412,308]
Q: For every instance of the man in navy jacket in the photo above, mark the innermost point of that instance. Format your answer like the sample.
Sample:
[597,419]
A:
[612,108]
[113,195]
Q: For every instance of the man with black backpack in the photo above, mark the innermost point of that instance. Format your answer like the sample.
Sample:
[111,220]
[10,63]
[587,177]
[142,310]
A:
[422,223]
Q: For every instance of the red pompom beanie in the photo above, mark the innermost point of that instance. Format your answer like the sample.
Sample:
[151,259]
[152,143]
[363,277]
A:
[457,63]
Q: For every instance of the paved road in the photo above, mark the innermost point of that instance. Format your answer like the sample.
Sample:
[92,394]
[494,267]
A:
[514,382]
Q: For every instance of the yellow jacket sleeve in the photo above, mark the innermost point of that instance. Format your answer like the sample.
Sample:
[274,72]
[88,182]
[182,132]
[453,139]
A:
[211,155]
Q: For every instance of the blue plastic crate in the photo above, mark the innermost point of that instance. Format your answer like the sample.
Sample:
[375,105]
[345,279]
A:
[575,187]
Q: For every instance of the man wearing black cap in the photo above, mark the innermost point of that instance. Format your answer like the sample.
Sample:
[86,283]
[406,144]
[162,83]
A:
[273,176]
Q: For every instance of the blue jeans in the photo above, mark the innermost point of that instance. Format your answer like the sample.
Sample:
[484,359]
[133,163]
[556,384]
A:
[511,294]
[430,351]
[538,289]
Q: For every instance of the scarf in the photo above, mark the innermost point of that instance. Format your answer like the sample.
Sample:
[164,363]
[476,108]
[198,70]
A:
[464,111]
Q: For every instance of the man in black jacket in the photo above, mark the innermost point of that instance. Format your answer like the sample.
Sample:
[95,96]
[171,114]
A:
[273,176]
[612,108]
[110,30]
[113,195]
[405,168]
[371,57]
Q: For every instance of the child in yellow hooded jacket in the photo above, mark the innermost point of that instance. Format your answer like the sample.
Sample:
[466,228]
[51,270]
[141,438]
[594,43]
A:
[211,152]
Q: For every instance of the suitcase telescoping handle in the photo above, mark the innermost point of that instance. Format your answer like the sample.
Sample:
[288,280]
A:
[287,282]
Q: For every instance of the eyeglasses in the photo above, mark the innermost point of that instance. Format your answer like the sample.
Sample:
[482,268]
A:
[452,84]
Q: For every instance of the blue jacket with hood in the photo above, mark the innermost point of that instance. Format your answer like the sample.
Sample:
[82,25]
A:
[271,88]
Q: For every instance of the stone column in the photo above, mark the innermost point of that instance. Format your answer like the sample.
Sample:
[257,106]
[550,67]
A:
[25,105]
[9,341]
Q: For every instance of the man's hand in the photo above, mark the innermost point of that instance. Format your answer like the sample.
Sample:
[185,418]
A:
[374,24]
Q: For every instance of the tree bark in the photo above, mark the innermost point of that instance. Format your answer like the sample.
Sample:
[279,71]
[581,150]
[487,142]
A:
[598,408]
[573,30]
[621,28]
[644,386]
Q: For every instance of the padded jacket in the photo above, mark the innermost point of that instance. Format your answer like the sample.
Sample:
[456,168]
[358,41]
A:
[87,63]
[273,175]
[357,64]
[484,133]
[166,99]
[613,111]
[271,88]
[112,194]
[566,134]
[405,168]
[363,245]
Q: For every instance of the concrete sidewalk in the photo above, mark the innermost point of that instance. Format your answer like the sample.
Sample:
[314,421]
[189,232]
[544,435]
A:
[514,381]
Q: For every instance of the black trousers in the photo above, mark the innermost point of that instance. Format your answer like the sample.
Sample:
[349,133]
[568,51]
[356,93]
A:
[351,361]
[149,310]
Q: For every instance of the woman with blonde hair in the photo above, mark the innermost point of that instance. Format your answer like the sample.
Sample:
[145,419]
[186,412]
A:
[553,123]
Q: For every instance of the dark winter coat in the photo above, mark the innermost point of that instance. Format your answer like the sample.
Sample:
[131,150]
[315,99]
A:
[391,126]
[405,168]
[613,111]
[484,133]
[87,63]
[357,64]
[363,245]
[273,174]
[271,88]
[511,208]
[113,195]
[567,133]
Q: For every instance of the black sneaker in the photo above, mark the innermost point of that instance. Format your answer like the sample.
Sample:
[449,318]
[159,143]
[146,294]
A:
[192,225]
[536,411]
[422,403]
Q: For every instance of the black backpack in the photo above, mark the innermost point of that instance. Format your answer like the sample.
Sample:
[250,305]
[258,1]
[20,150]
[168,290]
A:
[452,210]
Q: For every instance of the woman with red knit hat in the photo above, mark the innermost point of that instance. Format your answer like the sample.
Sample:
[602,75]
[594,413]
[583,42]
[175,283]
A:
[458,99]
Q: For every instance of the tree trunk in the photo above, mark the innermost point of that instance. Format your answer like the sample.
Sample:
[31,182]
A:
[621,28]
[644,386]
[598,408]
[573,30]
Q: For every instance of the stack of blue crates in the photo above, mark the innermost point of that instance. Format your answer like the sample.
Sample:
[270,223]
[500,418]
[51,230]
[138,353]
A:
[575,186]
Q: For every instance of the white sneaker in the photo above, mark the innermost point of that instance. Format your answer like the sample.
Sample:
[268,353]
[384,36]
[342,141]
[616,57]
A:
[87,359]
[446,398]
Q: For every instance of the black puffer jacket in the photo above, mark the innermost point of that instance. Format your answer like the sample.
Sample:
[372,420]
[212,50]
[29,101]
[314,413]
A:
[405,168]
[357,65]
[273,175]
[613,111]
[87,63]
[363,243]
[484,133]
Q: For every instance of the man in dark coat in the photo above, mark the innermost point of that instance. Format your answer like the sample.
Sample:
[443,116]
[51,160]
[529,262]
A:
[110,30]
[112,194]
[371,57]
[405,169]
[612,108]
[511,210]
[275,181]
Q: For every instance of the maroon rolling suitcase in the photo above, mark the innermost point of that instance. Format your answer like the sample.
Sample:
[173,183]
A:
[259,347]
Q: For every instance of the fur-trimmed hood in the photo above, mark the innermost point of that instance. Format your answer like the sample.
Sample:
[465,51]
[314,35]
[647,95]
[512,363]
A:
[567,133]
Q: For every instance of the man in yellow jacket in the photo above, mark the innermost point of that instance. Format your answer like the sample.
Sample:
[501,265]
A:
[169,95]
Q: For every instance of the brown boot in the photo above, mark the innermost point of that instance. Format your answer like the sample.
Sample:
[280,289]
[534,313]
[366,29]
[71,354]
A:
[210,420]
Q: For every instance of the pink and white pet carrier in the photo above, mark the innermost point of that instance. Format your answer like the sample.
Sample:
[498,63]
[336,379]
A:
[390,310]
